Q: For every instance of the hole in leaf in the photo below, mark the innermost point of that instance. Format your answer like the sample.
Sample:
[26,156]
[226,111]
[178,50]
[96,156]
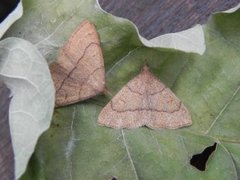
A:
[200,160]
[6,7]
[113,178]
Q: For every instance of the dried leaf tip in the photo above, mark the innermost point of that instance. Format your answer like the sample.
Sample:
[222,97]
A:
[79,72]
[145,101]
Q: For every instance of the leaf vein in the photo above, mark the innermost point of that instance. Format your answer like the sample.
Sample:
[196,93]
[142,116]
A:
[129,155]
[223,109]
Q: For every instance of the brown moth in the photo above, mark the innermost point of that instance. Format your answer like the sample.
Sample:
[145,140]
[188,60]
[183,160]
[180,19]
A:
[79,72]
[145,101]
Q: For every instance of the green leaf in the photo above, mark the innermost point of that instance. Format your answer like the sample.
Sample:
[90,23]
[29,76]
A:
[75,147]
[26,73]
[190,40]
[48,33]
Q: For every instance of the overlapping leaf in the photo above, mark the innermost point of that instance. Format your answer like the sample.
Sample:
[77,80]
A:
[26,73]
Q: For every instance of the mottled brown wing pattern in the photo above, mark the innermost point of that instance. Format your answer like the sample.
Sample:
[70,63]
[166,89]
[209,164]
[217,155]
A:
[79,72]
[145,101]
